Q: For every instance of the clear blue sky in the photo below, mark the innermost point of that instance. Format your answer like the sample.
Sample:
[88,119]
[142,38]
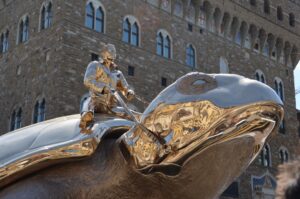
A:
[297,84]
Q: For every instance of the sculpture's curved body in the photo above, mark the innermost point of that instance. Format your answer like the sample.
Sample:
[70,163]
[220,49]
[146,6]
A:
[212,127]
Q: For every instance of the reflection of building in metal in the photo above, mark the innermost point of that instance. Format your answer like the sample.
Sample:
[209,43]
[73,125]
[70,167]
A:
[263,187]
[48,60]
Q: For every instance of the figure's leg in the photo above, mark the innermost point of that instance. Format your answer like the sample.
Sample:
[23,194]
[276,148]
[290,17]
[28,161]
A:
[87,115]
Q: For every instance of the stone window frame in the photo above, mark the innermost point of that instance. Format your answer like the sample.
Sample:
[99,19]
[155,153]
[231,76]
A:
[45,5]
[96,5]
[286,155]
[192,56]
[39,110]
[23,20]
[266,7]
[260,76]
[132,21]
[165,35]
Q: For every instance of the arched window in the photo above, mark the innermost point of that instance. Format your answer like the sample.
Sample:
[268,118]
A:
[46,16]
[90,15]
[223,65]
[292,19]
[267,6]
[23,34]
[279,88]
[130,31]
[94,16]
[190,56]
[39,111]
[259,76]
[99,25]
[265,156]
[283,155]
[279,13]
[163,44]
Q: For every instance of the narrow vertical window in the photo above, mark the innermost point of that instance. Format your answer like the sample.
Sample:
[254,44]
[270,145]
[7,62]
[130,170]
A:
[5,42]
[26,30]
[267,6]
[36,112]
[135,34]
[99,26]
[18,120]
[2,44]
[167,47]
[126,31]
[89,18]
[43,15]
[42,107]
[279,13]
[21,32]
[190,56]
[159,44]
[292,19]
[49,16]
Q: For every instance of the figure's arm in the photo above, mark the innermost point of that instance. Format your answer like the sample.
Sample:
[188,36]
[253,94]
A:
[123,86]
[92,74]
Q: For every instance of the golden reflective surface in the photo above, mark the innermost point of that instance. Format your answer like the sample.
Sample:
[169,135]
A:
[76,150]
[193,126]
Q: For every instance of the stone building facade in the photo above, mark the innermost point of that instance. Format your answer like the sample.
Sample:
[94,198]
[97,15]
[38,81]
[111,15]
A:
[47,44]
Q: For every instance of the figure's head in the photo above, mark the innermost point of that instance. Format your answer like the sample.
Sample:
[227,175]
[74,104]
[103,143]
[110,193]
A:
[108,53]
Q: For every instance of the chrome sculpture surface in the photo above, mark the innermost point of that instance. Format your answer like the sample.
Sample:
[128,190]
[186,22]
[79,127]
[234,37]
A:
[192,141]
[102,78]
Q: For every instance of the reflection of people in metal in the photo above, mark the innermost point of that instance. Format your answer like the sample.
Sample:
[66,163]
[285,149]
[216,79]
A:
[102,79]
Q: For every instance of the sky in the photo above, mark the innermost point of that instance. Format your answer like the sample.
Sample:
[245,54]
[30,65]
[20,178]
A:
[297,84]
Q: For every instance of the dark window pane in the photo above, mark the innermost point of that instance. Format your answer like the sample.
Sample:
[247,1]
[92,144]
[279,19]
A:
[130,70]
[1,44]
[135,35]
[18,119]
[48,16]
[126,31]
[190,56]
[167,47]
[89,18]
[164,81]
[99,20]
[190,27]
[35,113]
[26,30]
[21,32]
[159,44]
[43,16]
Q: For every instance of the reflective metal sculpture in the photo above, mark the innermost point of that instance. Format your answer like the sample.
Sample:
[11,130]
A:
[192,141]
